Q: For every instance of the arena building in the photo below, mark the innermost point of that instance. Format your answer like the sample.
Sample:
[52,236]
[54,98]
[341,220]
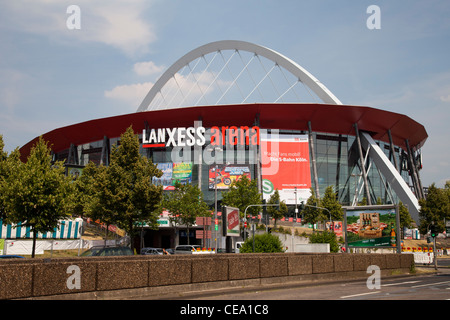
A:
[213,117]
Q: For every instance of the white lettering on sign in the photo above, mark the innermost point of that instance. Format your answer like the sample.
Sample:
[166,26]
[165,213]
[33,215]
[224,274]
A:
[188,137]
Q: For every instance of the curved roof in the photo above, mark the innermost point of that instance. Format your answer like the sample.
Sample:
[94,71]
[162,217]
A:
[327,118]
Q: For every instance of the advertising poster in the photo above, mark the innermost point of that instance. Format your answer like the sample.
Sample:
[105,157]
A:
[166,179]
[226,175]
[286,167]
[74,171]
[371,226]
[173,172]
[230,220]
[336,227]
[182,172]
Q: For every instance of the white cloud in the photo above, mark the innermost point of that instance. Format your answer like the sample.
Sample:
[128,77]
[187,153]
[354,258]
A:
[131,94]
[147,68]
[445,98]
[117,23]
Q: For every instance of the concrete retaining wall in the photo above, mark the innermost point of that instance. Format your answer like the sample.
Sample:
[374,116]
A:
[89,278]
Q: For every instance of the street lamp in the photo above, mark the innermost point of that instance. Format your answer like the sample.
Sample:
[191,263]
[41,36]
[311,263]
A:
[215,149]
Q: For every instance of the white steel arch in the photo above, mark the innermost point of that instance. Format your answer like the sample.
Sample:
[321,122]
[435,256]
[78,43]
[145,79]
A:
[280,60]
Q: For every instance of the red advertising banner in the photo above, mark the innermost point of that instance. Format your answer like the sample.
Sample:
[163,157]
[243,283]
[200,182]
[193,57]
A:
[232,227]
[286,167]
[233,219]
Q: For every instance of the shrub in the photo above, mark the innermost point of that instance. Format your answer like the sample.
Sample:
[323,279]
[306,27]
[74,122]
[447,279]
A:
[263,243]
[325,237]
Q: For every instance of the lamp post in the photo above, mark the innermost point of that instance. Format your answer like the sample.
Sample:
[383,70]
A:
[296,209]
[215,149]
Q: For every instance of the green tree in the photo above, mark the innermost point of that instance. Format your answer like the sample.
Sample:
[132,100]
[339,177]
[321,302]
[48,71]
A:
[274,212]
[405,217]
[84,189]
[122,192]
[102,194]
[331,203]
[311,214]
[433,208]
[7,165]
[241,194]
[185,204]
[264,243]
[447,199]
[37,193]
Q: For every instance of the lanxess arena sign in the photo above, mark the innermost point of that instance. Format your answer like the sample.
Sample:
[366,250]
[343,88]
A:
[199,136]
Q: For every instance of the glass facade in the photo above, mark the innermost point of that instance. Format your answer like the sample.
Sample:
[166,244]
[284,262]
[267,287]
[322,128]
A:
[337,161]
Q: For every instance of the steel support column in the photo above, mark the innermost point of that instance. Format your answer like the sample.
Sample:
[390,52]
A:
[104,158]
[392,148]
[338,165]
[312,152]
[363,165]
[258,159]
[198,154]
[413,172]
[391,175]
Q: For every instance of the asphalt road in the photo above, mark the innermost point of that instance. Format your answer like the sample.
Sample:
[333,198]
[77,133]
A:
[427,286]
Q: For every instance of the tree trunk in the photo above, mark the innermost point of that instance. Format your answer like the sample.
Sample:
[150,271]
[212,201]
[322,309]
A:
[33,250]
[187,225]
[106,233]
[131,234]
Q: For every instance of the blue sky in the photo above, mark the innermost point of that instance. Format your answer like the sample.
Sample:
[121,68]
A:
[51,76]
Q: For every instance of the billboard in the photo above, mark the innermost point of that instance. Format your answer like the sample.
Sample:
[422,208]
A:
[372,226]
[172,172]
[285,166]
[226,174]
[230,222]
[182,172]
[166,179]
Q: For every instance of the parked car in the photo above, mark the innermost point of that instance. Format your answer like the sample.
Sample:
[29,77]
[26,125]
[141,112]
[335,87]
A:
[186,249]
[11,256]
[107,251]
[152,251]
[238,246]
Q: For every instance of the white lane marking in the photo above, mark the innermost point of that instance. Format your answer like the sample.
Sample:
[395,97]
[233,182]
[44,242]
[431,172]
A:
[399,283]
[430,284]
[359,294]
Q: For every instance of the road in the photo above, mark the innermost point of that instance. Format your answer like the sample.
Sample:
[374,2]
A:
[420,287]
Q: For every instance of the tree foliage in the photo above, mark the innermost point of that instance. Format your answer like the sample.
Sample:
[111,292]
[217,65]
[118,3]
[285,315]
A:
[325,237]
[331,203]
[185,204]
[405,217]
[7,167]
[311,214]
[122,193]
[274,212]
[241,194]
[434,208]
[36,193]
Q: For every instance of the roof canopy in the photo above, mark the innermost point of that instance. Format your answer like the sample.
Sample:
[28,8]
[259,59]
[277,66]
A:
[327,118]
